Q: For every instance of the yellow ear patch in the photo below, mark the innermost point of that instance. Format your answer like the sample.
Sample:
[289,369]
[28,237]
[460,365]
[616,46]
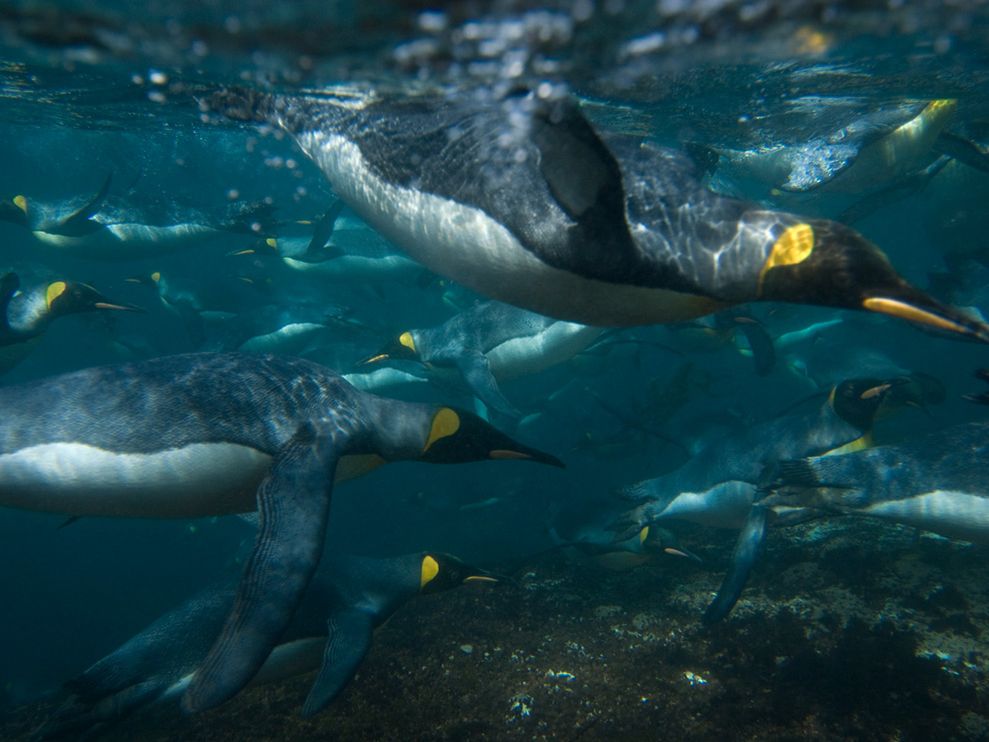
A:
[793,246]
[156,276]
[55,290]
[271,242]
[643,534]
[406,339]
[429,569]
[446,422]
[21,203]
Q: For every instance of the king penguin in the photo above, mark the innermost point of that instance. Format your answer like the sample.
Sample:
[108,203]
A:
[212,434]
[331,631]
[937,482]
[101,230]
[716,487]
[25,313]
[491,341]
[519,198]
[720,485]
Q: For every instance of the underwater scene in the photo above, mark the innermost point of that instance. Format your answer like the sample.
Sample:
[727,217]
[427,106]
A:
[669,320]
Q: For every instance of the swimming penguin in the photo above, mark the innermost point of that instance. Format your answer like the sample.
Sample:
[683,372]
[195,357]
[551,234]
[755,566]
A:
[331,630]
[871,152]
[937,483]
[491,341]
[211,434]
[25,313]
[103,230]
[520,199]
[717,485]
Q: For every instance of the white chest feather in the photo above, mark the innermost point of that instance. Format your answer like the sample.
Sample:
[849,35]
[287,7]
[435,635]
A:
[557,343]
[949,512]
[74,478]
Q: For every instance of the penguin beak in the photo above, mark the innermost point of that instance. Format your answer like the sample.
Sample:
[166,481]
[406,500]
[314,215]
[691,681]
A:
[480,578]
[118,307]
[672,551]
[524,453]
[373,359]
[915,306]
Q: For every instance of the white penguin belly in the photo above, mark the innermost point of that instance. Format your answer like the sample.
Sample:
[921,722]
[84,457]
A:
[951,513]
[291,339]
[464,243]
[725,505]
[351,267]
[78,479]
[556,343]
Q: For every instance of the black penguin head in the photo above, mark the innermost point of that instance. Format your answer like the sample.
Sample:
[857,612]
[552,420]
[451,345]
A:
[857,401]
[826,263]
[70,297]
[402,348]
[457,437]
[438,572]
[14,211]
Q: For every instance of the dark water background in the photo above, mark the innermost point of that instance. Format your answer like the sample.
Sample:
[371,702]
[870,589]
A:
[89,88]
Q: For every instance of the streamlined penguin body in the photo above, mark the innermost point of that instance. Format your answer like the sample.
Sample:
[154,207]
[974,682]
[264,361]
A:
[716,487]
[205,434]
[100,229]
[937,483]
[869,152]
[331,631]
[520,199]
[491,342]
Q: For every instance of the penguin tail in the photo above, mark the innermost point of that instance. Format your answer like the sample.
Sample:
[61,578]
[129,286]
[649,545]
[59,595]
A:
[247,104]
[240,103]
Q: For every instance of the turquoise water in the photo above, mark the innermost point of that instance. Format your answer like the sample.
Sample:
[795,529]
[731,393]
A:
[97,90]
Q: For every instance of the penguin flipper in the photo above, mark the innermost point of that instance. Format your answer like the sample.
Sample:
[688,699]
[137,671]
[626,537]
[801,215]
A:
[348,639]
[80,221]
[476,370]
[742,560]
[761,345]
[964,150]
[294,503]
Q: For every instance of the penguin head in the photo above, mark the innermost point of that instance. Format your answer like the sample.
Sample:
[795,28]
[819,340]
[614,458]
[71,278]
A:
[456,436]
[401,348]
[857,401]
[438,572]
[822,262]
[14,211]
[71,297]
